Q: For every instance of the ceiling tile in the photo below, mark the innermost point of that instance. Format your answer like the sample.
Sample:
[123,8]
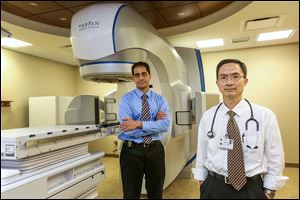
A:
[155,19]
[76,9]
[42,6]
[168,4]
[141,6]
[209,7]
[14,10]
[38,19]
[161,14]
[54,17]
[69,4]
[191,12]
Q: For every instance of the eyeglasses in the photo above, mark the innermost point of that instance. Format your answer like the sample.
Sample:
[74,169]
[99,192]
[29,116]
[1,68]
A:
[143,74]
[234,78]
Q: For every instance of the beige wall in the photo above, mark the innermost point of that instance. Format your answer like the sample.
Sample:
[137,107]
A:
[24,76]
[273,74]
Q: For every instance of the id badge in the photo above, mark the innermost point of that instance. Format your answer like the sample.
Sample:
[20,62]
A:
[226,143]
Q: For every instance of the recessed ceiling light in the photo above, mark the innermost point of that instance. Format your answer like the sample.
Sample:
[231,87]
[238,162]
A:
[210,43]
[274,35]
[12,42]
[33,4]
[63,19]
[180,14]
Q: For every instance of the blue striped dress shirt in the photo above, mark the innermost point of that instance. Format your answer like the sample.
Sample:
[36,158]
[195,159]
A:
[131,106]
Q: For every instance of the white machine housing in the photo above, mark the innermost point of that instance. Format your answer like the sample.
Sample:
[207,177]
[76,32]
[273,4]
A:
[52,161]
[107,38]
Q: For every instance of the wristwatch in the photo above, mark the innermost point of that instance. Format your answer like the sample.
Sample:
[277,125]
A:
[271,193]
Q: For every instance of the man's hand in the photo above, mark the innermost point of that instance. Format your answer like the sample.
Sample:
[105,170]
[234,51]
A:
[268,196]
[200,183]
[160,115]
[129,124]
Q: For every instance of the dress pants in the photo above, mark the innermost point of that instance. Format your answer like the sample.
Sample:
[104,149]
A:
[213,188]
[137,161]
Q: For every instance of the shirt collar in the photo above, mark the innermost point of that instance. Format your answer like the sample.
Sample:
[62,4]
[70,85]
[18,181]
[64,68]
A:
[139,93]
[238,109]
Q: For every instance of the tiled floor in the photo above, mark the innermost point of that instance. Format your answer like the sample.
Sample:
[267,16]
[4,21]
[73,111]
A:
[110,187]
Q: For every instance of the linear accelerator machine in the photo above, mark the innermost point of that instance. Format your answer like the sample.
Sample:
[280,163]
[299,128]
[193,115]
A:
[54,161]
[108,38]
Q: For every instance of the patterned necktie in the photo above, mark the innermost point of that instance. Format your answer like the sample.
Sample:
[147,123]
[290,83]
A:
[146,116]
[235,160]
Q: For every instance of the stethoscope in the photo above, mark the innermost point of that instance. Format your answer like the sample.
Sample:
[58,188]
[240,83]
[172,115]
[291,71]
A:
[211,134]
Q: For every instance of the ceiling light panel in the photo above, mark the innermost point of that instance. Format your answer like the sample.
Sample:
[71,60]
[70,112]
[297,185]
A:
[12,42]
[274,35]
[210,43]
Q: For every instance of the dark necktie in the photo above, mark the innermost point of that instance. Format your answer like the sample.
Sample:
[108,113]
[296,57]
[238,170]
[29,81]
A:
[146,116]
[235,160]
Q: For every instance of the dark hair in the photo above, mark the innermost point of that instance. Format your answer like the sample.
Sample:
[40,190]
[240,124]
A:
[225,61]
[138,64]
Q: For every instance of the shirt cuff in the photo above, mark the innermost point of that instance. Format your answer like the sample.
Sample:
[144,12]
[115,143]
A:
[200,174]
[146,126]
[274,182]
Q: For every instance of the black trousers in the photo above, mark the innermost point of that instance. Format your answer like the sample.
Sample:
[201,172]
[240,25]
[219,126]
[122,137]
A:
[137,161]
[213,188]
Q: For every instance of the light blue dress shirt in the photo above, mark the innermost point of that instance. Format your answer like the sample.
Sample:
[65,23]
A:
[131,107]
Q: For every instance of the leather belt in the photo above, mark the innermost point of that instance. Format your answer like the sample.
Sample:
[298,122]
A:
[131,144]
[225,179]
